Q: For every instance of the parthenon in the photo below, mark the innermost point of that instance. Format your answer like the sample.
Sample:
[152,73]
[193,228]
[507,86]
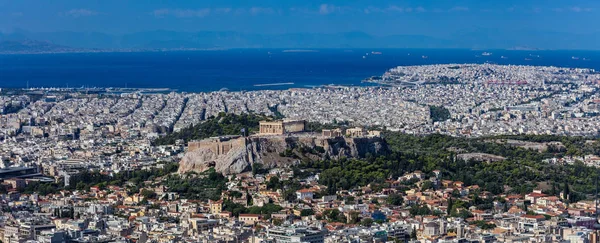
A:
[281,127]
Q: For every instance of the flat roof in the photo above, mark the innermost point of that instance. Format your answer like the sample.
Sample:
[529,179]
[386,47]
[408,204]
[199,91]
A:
[13,169]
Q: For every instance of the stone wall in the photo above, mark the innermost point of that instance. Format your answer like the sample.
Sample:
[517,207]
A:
[218,145]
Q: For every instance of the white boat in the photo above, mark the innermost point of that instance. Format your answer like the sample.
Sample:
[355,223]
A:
[486,54]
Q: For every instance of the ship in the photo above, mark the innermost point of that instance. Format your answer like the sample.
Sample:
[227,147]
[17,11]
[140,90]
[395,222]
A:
[376,53]
[575,58]
[503,57]
[424,57]
[486,54]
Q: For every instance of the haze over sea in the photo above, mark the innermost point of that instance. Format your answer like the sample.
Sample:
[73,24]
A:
[250,69]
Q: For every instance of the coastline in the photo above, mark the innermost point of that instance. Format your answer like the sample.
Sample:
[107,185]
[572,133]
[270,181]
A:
[247,69]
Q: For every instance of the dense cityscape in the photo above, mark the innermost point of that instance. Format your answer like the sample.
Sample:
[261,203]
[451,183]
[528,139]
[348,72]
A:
[434,153]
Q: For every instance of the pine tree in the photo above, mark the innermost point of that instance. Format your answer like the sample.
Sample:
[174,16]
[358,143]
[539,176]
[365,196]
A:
[566,192]
[450,204]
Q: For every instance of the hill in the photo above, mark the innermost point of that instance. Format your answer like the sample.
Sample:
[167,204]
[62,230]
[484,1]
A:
[232,155]
[520,172]
[223,124]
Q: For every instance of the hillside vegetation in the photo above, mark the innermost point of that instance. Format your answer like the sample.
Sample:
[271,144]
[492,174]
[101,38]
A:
[223,124]
[521,171]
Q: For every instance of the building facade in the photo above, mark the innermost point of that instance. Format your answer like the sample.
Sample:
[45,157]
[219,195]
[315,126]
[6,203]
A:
[296,235]
[281,127]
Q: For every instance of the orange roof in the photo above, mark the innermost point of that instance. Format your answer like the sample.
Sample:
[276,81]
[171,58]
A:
[533,216]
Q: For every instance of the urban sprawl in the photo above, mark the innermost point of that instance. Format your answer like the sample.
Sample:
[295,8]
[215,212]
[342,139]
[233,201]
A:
[53,136]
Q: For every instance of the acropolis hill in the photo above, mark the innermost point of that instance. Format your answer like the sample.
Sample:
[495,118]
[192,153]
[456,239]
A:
[279,144]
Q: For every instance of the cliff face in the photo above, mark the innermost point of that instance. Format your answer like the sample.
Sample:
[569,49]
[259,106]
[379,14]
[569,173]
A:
[238,154]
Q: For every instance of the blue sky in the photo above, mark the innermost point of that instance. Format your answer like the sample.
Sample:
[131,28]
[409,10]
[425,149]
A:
[437,18]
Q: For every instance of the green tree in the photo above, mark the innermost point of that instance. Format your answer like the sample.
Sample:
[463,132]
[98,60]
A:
[354,215]
[449,208]
[395,199]
[566,192]
[426,185]
[277,221]
[366,222]
[148,194]
[235,194]
[274,183]
[306,212]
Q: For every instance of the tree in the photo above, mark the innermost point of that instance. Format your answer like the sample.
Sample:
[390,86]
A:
[354,217]
[426,185]
[306,212]
[235,194]
[413,233]
[334,215]
[274,183]
[81,186]
[439,113]
[566,192]
[257,168]
[554,190]
[148,194]
[277,221]
[366,222]
[450,204]
[395,199]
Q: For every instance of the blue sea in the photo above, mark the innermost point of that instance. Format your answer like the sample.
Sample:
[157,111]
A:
[250,69]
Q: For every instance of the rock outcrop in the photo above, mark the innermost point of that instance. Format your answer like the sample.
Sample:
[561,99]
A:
[230,155]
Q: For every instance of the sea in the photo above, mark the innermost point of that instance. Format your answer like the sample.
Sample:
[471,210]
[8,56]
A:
[251,69]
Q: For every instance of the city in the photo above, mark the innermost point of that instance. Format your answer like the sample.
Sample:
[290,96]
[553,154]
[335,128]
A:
[299,121]
[88,168]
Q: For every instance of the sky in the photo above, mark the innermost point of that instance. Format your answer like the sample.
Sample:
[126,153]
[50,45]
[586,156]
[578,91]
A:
[437,18]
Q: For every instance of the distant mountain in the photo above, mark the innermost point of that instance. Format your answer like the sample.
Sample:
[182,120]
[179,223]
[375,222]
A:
[536,39]
[164,39]
[227,39]
[31,46]
[66,38]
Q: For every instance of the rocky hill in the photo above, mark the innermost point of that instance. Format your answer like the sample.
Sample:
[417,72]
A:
[230,155]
